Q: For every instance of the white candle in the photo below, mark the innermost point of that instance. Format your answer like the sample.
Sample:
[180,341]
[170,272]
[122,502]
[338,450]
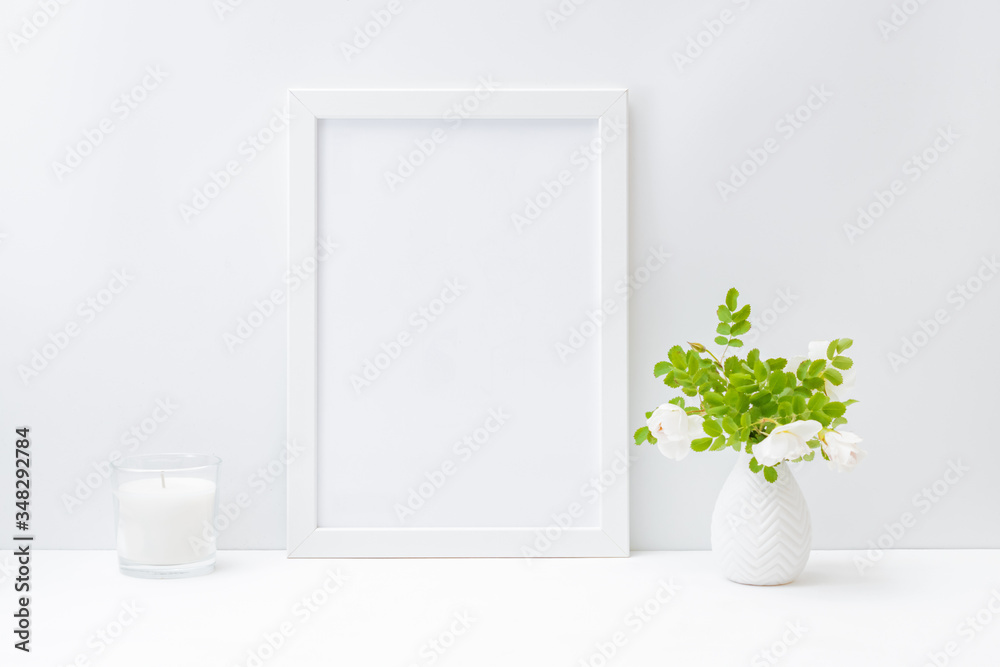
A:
[162,520]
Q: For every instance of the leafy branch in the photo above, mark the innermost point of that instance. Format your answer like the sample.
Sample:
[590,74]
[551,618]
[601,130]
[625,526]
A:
[742,400]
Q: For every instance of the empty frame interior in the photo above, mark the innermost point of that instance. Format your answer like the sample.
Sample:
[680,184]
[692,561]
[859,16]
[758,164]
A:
[449,391]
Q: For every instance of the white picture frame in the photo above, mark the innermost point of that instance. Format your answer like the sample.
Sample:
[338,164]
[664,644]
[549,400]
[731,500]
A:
[305,536]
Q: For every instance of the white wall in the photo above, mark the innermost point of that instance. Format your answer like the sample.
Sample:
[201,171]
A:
[161,338]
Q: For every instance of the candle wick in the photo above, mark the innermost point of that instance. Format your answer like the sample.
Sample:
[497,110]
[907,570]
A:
[163,481]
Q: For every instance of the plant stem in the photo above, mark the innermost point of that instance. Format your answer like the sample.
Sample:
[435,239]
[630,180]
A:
[761,421]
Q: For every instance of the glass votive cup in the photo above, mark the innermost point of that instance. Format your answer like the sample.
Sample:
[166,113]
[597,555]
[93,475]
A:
[165,506]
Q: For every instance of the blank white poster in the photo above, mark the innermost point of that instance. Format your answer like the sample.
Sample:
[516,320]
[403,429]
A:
[455,386]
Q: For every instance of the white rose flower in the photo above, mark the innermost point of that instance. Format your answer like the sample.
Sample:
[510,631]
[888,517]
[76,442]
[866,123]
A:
[674,430]
[841,392]
[842,449]
[786,442]
[817,349]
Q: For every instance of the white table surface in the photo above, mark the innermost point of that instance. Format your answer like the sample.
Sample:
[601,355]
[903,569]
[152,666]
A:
[511,612]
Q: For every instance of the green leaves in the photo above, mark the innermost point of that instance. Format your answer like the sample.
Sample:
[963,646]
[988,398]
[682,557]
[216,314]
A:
[731,297]
[777,364]
[701,444]
[812,384]
[741,400]
[776,382]
[813,374]
[843,363]
[833,376]
[837,345]
[713,398]
[740,328]
[817,401]
[689,371]
[732,322]
[739,379]
[712,428]
[816,408]
[729,425]
[835,409]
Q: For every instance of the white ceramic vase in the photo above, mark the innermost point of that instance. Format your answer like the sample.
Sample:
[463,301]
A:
[761,532]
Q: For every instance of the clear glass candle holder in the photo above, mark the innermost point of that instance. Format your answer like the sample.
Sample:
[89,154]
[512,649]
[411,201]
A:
[165,506]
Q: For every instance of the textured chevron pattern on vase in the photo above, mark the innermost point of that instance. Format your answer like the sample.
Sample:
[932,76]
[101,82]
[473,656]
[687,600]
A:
[761,532]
